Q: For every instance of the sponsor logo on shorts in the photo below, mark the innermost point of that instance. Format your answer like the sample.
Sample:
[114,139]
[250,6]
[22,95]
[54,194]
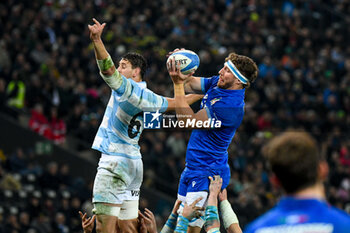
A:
[135,193]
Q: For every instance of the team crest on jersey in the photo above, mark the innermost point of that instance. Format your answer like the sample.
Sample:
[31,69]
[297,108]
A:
[213,101]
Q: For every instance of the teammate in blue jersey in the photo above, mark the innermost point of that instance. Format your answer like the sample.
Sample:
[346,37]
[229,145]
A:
[223,102]
[120,170]
[300,170]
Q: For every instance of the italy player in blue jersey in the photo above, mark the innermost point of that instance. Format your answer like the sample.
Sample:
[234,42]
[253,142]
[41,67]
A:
[120,170]
[300,170]
[207,148]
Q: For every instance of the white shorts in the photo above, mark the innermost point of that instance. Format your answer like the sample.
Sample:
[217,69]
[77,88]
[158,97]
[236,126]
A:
[118,179]
[189,199]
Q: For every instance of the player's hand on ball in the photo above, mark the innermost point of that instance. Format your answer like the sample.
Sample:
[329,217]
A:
[96,30]
[174,51]
[175,73]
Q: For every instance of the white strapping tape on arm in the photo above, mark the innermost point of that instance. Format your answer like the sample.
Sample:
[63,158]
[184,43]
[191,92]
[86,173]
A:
[228,215]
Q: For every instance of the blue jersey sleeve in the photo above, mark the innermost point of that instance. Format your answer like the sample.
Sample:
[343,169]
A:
[207,83]
[228,115]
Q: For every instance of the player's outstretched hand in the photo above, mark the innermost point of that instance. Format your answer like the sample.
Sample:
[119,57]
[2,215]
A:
[175,73]
[87,223]
[176,207]
[215,185]
[149,220]
[191,211]
[142,224]
[223,195]
[96,30]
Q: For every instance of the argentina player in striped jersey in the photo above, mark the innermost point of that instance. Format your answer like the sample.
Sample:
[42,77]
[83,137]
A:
[120,170]
[206,153]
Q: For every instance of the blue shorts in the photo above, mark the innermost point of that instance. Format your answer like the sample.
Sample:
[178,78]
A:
[197,180]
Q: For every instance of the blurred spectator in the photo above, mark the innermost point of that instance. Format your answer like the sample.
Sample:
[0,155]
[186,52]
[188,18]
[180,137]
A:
[57,127]
[24,221]
[17,161]
[50,179]
[16,92]
[39,123]
[42,224]
[2,95]
[12,224]
[177,144]
[60,223]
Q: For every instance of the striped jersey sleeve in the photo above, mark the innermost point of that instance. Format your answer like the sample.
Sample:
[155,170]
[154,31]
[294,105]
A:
[122,122]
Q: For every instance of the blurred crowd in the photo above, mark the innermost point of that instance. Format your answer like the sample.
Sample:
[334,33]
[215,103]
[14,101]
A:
[48,69]
[37,199]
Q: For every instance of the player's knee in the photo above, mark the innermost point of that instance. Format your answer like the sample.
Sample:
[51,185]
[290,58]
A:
[99,226]
[129,226]
[105,223]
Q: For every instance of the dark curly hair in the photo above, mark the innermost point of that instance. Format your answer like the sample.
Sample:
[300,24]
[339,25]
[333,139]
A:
[137,61]
[246,66]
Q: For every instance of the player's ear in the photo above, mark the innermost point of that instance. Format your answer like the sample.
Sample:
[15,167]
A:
[136,72]
[323,170]
[275,181]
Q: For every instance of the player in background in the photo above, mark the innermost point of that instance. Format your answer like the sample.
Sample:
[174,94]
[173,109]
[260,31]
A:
[299,169]
[206,153]
[120,170]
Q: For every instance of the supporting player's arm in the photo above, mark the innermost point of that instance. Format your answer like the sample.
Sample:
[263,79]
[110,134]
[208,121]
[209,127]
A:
[229,217]
[170,224]
[193,85]
[190,99]
[104,61]
[212,222]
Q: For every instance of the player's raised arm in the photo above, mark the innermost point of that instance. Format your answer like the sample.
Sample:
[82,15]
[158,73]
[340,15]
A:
[190,99]
[193,85]
[104,61]
[212,222]
[183,110]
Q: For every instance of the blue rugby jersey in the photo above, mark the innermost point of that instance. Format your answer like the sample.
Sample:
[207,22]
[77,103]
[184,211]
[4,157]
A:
[122,123]
[292,215]
[208,148]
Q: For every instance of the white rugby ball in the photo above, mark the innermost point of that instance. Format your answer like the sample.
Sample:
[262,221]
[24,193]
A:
[188,60]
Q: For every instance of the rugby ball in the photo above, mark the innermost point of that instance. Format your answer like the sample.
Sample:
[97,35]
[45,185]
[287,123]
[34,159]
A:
[188,60]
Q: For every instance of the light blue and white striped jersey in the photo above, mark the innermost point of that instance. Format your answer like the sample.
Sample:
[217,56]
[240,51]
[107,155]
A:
[122,123]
